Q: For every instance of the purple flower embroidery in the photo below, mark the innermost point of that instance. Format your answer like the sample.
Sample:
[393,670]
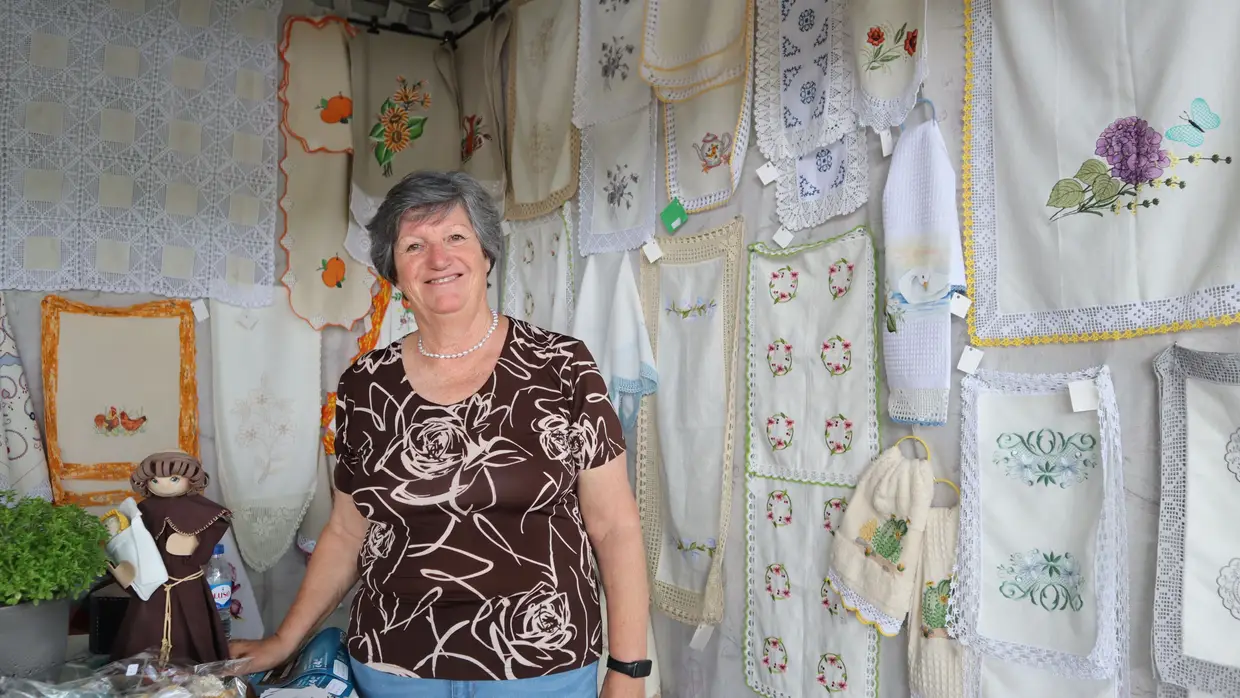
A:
[1130,146]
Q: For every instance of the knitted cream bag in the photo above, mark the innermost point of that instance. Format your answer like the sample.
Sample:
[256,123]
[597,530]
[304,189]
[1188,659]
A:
[935,660]
[875,564]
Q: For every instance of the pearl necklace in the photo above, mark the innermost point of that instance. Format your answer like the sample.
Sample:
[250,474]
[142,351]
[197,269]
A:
[431,355]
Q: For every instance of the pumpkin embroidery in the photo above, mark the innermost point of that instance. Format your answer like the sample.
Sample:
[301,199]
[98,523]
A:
[779,357]
[714,151]
[774,656]
[1229,587]
[885,540]
[832,674]
[840,278]
[472,136]
[396,128]
[833,513]
[777,584]
[830,598]
[335,110]
[333,272]
[836,355]
[934,599]
[783,284]
[779,508]
[780,429]
[1046,457]
[1050,581]
[117,422]
[839,434]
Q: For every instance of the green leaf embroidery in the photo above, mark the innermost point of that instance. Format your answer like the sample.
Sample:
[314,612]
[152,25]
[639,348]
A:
[1092,168]
[1066,193]
[416,126]
[382,155]
[1106,187]
[387,105]
[376,132]
[900,34]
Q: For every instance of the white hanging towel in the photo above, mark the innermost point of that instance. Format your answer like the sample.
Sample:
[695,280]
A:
[609,320]
[925,264]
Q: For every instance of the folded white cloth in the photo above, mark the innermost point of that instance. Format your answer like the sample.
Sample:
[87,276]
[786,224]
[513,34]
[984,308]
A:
[136,546]
[935,660]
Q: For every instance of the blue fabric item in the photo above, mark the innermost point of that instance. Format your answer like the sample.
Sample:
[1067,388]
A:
[372,683]
[626,394]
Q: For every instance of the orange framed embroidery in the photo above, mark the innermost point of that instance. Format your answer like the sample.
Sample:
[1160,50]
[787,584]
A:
[118,385]
[374,327]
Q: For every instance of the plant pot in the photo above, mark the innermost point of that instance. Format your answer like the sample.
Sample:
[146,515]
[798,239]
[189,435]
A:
[33,638]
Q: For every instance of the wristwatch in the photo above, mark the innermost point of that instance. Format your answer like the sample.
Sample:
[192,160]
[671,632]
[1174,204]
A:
[638,670]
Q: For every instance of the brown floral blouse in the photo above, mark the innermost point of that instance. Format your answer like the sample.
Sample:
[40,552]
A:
[476,564]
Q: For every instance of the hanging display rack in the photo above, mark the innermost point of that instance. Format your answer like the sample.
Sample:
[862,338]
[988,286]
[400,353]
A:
[374,26]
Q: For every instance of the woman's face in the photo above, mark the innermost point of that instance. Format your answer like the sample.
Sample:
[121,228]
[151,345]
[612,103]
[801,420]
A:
[440,266]
[170,486]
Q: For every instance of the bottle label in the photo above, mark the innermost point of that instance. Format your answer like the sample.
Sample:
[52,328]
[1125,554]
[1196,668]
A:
[222,593]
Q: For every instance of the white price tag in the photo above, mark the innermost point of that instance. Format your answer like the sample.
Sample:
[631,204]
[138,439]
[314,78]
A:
[888,144]
[652,251]
[1084,394]
[131,670]
[782,237]
[200,310]
[701,636]
[768,173]
[970,359]
[960,304]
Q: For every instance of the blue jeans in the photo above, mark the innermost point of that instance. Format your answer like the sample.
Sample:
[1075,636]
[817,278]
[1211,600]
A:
[372,683]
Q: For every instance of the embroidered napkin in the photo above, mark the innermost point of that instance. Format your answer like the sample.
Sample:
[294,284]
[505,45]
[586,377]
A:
[706,140]
[538,270]
[618,171]
[544,146]
[609,42]
[831,181]
[266,423]
[406,120]
[326,285]
[935,659]
[685,438]
[875,568]
[925,264]
[23,464]
[691,46]
[315,92]
[608,318]
[136,546]
[888,45]
[480,98]
[803,77]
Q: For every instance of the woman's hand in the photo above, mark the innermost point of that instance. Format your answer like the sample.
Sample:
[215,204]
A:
[264,654]
[621,686]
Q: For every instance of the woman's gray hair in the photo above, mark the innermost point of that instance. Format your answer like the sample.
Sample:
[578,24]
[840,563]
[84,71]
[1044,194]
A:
[429,196]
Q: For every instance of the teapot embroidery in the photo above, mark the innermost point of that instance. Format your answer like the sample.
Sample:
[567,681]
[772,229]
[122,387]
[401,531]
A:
[714,151]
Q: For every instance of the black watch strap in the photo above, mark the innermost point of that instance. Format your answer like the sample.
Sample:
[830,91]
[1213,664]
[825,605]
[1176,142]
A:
[638,670]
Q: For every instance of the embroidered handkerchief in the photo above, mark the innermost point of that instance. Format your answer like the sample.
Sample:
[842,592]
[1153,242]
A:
[691,46]
[812,411]
[803,77]
[1197,588]
[831,181]
[538,270]
[23,465]
[266,368]
[326,285]
[800,640]
[315,93]
[935,659]
[118,385]
[1128,165]
[1042,575]
[684,431]
[544,148]
[480,93]
[925,265]
[888,46]
[706,139]
[609,82]
[618,171]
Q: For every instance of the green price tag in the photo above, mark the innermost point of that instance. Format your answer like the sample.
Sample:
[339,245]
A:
[674,216]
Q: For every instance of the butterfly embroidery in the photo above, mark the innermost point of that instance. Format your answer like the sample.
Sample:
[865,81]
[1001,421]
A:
[1200,119]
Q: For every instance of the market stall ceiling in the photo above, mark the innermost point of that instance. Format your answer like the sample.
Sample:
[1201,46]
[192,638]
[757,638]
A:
[430,17]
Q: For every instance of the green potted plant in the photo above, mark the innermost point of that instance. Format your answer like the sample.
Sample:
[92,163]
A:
[49,555]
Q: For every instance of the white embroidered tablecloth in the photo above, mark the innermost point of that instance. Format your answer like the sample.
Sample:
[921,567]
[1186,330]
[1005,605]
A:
[831,181]
[609,83]
[803,77]
[1197,589]
[139,147]
[23,464]
[693,46]
[889,53]
[538,283]
[706,139]
[1121,176]
[1041,593]
[685,436]
[619,161]
[265,365]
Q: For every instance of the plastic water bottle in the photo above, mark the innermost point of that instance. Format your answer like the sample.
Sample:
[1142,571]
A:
[219,578]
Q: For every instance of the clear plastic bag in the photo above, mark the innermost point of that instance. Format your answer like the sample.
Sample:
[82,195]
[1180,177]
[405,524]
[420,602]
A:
[141,676]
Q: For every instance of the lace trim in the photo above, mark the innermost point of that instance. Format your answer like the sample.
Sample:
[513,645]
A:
[509,291]
[264,533]
[878,113]
[652,61]
[866,612]
[736,165]
[871,361]
[798,214]
[589,242]
[1173,367]
[626,394]
[775,141]
[1110,564]
[362,208]
[688,605]
[923,406]
[167,523]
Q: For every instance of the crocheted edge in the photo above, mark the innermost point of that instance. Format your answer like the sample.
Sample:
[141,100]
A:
[685,605]
[1172,367]
[839,117]
[588,242]
[880,114]
[652,62]
[866,613]
[795,214]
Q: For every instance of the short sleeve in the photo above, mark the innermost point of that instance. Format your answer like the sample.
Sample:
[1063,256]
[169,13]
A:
[594,417]
[346,450]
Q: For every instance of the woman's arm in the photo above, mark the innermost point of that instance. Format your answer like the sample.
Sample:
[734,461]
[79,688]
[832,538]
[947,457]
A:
[329,576]
[614,528]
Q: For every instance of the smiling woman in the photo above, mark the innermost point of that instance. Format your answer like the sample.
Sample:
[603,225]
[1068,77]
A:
[480,469]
